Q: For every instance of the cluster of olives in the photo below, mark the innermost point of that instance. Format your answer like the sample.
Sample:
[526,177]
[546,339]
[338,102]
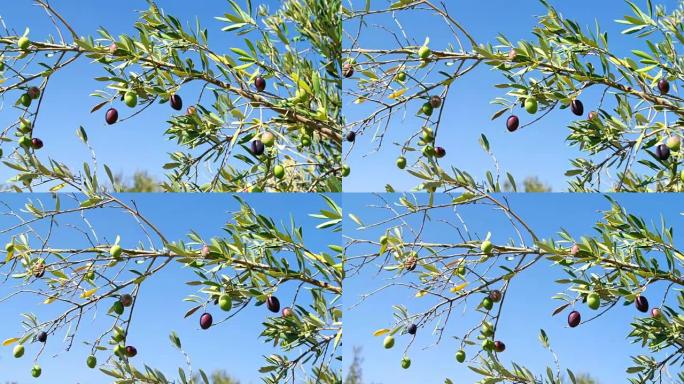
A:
[593,301]
[225,302]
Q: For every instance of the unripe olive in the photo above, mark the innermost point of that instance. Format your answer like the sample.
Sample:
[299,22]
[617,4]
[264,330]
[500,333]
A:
[23,43]
[487,303]
[401,76]
[25,142]
[531,105]
[401,163]
[487,344]
[405,362]
[345,170]
[460,356]
[656,313]
[278,171]
[424,52]
[674,143]
[118,308]
[18,351]
[268,139]
[131,99]
[487,247]
[225,303]
[388,342]
[287,312]
[115,251]
[91,361]
[427,109]
[594,300]
[120,350]
[25,100]
[36,371]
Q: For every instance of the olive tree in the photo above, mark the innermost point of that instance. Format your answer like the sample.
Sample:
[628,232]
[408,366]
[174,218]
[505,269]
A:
[264,115]
[629,141]
[625,261]
[256,261]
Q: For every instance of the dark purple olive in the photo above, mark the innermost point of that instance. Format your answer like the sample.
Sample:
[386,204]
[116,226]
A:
[36,143]
[42,337]
[112,116]
[131,351]
[440,152]
[260,83]
[574,319]
[663,87]
[273,304]
[512,123]
[499,346]
[347,70]
[495,295]
[641,304]
[663,152]
[176,102]
[412,329]
[34,92]
[577,107]
[257,147]
[351,136]
[435,101]
[206,320]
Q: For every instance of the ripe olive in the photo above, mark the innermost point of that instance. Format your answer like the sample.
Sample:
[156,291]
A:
[131,351]
[663,86]
[126,300]
[412,329]
[499,346]
[36,143]
[273,304]
[435,101]
[206,320]
[111,116]
[257,147]
[287,311]
[577,107]
[351,136]
[641,304]
[574,319]
[176,102]
[495,295]
[260,83]
[513,123]
[663,152]
[42,337]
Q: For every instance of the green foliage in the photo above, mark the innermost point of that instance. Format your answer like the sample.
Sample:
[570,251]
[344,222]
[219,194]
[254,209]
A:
[638,110]
[295,48]
[623,261]
[253,259]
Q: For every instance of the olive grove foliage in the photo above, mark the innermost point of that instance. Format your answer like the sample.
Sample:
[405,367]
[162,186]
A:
[625,261]
[254,261]
[630,141]
[279,86]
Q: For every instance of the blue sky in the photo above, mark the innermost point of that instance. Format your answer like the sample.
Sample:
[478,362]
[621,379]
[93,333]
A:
[233,346]
[599,348]
[135,145]
[539,150]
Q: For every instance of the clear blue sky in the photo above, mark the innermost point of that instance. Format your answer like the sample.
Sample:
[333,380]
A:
[528,304]
[135,145]
[233,346]
[539,150]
